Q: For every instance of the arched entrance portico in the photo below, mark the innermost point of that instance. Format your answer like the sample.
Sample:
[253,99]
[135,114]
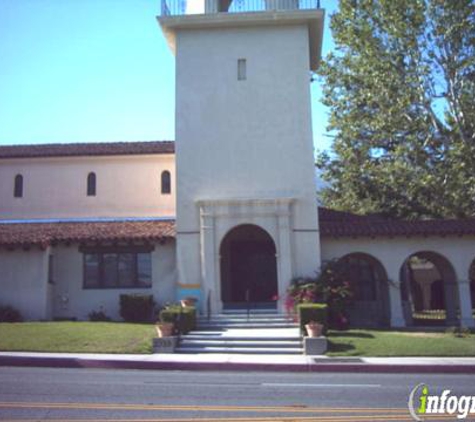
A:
[248,268]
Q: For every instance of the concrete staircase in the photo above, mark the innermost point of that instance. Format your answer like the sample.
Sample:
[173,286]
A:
[260,332]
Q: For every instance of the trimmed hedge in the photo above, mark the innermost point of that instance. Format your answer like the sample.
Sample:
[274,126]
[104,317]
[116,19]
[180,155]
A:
[137,308]
[183,318]
[10,314]
[98,316]
[317,312]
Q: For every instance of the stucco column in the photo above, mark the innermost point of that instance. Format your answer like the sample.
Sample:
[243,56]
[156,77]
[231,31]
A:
[451,294]
[395,303]
[284,257]
[466,305]
[208,259]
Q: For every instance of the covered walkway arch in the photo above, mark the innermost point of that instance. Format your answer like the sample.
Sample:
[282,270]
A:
[429,291]
[369,284]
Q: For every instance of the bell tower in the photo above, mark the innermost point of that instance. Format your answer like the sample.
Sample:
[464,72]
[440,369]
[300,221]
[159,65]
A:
[244,151]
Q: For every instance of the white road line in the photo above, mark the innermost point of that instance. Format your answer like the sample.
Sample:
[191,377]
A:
[292,385]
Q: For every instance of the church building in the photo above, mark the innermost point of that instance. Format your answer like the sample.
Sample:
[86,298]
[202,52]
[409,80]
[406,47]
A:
[227,212]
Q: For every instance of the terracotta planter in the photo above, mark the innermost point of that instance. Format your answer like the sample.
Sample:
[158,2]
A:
[314,329]
[164,329]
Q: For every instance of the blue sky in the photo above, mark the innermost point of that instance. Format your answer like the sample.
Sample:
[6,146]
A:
[94,71]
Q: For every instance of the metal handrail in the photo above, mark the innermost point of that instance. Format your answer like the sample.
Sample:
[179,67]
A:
[248,303]
[208,305]
[187,7]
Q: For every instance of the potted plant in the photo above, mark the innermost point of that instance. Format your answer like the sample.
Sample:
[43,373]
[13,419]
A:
[164,329]
[314,329]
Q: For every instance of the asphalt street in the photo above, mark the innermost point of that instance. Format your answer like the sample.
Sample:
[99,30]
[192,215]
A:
[33,394]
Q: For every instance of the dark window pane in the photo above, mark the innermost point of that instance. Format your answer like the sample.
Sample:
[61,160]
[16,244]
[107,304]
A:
[166,182]
[363,278]
[18,186]
[109,270]
[91,270]
[144,269]
[126,268]
[91,184]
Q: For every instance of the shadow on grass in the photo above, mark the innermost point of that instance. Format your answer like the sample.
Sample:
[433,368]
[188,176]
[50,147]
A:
[348,334]
[340,347]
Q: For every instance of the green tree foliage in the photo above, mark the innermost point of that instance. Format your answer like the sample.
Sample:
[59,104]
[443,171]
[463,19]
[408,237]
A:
[401,92]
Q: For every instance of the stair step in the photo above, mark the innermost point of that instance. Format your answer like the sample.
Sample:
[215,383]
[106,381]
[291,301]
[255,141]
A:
[251,311]
[197,336]
[245,314]
[244,319]
[246,326]
[243,350]
[185,342]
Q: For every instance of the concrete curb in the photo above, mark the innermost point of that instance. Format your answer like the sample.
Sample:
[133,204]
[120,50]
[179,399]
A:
[60,362]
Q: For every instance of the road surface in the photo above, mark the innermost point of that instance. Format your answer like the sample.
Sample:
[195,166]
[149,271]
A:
[32,394]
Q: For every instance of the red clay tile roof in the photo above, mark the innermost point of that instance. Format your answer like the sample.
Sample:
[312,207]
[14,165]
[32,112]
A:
[87,149]
[341,224]
[44,234]
[334,224]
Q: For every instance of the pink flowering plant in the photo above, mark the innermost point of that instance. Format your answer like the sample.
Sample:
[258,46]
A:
[330,286]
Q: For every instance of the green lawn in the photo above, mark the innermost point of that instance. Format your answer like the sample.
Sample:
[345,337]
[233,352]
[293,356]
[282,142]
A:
[80,337]
[398,343]
[113,337]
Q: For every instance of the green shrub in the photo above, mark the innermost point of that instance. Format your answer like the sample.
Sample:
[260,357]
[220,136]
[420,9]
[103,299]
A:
[331,286]
[98,316]
[10,314]
[317,312]
[183,318]
[137,308]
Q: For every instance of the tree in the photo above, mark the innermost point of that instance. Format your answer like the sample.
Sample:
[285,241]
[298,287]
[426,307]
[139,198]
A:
[401,92]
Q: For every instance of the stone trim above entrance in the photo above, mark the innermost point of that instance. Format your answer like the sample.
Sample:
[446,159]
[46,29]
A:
[220,216]
[234,207]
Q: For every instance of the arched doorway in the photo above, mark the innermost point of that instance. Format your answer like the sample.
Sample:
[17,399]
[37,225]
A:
[248,268]
[429,290]
[369,285]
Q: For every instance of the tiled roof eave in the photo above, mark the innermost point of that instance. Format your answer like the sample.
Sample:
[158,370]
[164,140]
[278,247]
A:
[42,235]
[86,149]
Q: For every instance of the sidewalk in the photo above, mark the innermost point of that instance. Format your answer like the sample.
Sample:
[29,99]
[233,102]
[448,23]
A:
[228,362]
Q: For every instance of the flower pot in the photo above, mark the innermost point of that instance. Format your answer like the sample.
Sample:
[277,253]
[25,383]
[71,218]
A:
[164,329]
[314,329]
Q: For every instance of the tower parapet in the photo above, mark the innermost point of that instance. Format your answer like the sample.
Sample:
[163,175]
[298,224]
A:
[177,15]
[188,7]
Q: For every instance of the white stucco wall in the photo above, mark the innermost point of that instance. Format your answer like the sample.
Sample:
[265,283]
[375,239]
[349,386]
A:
[23,282]
[71,300]
[244,140]
[392,253]
[127,186]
